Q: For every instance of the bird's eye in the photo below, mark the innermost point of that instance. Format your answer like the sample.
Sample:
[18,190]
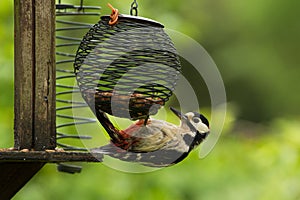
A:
[196,120]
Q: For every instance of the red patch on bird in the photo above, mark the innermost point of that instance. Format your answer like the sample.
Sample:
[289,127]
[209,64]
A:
[134,127]
[126,136]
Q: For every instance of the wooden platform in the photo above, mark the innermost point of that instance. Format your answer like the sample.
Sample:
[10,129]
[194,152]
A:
[48,156]
[17,167]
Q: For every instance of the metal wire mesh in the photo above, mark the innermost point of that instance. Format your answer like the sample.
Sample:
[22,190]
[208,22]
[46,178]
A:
[128,70]
[70,29]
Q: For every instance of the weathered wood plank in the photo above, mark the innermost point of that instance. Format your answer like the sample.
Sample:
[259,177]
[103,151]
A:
[24,66]
[49,157]
[44,104]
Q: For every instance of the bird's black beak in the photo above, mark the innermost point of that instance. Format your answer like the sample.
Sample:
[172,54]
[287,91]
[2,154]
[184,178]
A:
[178,113]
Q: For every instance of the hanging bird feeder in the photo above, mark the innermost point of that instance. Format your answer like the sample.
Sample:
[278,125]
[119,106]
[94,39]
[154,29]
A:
[126,66]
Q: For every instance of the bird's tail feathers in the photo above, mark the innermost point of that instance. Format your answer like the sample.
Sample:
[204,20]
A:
[108,126]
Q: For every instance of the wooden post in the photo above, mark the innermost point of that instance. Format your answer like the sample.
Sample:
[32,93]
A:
[35,74]
[44,76]
[24,73]
[34,89]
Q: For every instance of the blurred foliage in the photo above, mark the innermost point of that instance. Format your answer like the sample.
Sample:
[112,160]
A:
[6,73]
[255,44]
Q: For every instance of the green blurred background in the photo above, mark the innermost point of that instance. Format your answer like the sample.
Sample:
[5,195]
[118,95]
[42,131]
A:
[256,46]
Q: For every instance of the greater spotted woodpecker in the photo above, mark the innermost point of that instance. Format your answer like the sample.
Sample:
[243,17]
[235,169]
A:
[157,143]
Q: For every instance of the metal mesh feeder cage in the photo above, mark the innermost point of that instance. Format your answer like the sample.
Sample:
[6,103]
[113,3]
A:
[129,69]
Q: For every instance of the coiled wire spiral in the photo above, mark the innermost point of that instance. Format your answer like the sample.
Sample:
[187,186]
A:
[70,28]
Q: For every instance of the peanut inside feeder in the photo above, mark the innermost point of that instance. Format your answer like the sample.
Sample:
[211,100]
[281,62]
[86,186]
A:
[128,69]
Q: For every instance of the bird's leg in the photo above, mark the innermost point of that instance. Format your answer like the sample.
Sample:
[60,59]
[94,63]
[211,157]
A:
[146,120]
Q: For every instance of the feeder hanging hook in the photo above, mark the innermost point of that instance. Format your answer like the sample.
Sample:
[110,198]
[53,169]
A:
[134,8]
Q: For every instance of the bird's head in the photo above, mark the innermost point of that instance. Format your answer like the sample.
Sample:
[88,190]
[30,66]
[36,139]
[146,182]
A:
[196,122]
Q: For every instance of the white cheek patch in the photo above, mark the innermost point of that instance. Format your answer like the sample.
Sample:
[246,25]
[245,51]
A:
[202,128]
[189,115]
